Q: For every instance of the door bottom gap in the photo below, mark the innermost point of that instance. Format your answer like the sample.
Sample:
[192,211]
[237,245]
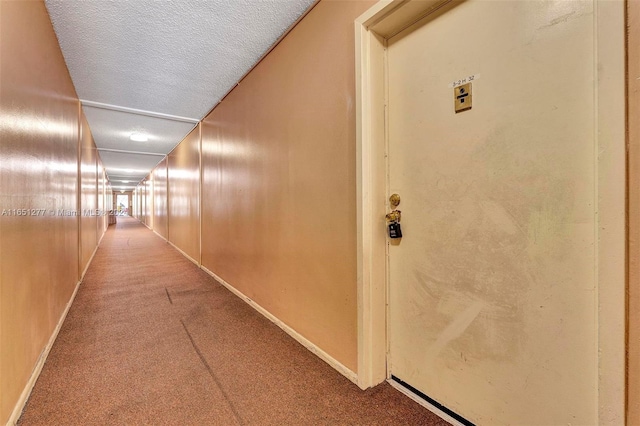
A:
[429,403]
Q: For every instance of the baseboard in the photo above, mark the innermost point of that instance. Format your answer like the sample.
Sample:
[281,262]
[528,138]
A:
[164,238]
[104,232]
[290,331]
[86,268]
[24,397]
[183,253]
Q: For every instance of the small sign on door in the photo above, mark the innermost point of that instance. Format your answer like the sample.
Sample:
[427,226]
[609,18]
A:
[462,97]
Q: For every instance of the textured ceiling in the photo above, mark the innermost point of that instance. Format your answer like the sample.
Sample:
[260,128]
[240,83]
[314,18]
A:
[176,58]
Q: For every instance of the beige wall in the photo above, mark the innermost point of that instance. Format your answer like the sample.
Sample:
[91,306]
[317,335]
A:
[88,193]
[633,14]
[103,205]
[279,190]
[160,221]
[148,201]
[41,153]
[108,202]
[139,202]
[144,213]
[136,202]
[184,195]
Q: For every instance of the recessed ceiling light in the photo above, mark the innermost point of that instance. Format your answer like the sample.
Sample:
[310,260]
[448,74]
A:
[126,181]
[138,137]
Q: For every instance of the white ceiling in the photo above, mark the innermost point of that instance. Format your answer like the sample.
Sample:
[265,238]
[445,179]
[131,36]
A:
[158,67]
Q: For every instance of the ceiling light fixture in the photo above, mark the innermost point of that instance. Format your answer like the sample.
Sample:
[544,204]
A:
[138,137]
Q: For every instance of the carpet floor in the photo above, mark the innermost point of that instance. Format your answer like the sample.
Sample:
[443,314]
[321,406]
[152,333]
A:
[152,339]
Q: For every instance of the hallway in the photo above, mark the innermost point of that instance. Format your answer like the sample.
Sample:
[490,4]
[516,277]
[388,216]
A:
[513,297]
[152,339]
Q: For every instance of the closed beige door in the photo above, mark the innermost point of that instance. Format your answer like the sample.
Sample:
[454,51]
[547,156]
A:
[492,289]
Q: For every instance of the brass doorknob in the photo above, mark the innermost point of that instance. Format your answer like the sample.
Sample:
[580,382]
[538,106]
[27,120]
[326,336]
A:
[394,200]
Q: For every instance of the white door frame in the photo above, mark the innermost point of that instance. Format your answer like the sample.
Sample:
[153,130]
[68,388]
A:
[387,18]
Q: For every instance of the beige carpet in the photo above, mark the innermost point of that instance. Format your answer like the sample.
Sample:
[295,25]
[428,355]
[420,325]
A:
[152,339]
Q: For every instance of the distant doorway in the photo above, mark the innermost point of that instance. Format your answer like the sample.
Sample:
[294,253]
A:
[122,204]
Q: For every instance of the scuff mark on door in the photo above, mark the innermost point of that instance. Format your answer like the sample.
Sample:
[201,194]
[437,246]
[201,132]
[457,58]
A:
[455,328]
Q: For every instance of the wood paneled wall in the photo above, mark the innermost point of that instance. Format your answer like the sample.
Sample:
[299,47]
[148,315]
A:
[88,193]
[279,182]
[184,195]
[48,174]
[160,221]
[103,201]
[149,200]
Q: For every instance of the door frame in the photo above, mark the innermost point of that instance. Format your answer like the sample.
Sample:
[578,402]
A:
[387,18]
[633,115]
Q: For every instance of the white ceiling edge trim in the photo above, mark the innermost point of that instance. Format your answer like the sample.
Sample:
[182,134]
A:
[131,152]
[138,111]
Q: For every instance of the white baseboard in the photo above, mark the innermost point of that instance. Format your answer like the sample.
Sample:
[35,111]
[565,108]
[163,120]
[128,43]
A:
[183,253]
[24,397]
[86,268]
[290,331]
[164,238]
[435,410]
[104,231]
